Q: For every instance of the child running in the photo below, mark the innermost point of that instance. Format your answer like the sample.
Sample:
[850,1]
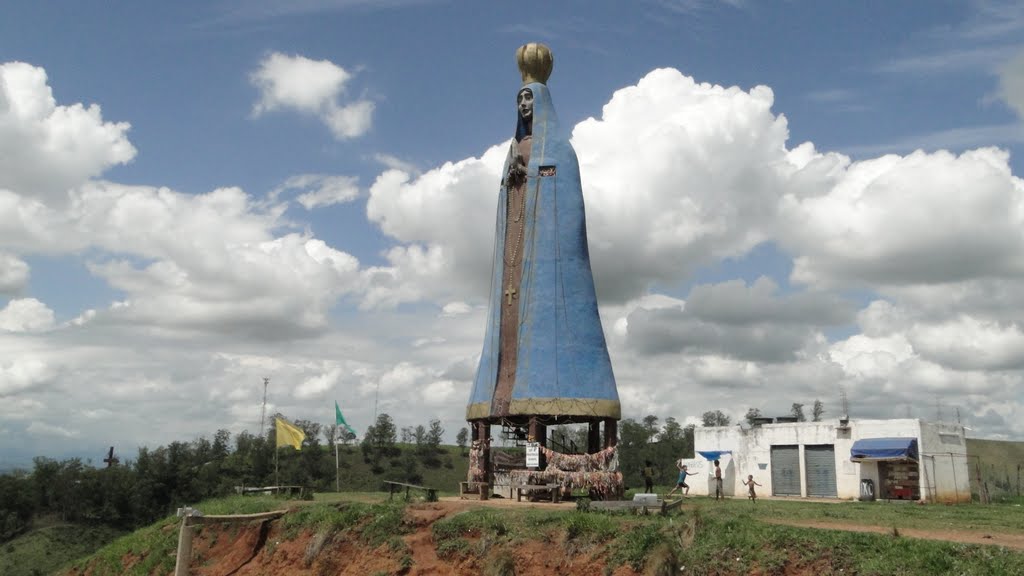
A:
[681,483]
[749,483]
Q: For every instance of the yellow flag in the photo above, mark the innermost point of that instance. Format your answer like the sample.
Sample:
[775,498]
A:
[288,434]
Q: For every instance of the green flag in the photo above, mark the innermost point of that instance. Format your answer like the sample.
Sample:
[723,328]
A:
[340,420]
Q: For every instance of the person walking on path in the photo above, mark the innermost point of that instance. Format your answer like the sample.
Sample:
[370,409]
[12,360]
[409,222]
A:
[681,483]
[749,483]
[719,492]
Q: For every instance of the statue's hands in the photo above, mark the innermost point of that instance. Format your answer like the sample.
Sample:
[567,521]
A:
[516,172]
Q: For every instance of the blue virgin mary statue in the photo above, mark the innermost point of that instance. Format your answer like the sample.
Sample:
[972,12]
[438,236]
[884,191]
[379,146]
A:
[544,354]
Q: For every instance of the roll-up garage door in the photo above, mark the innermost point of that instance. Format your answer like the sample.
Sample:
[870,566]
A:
[785,470]
[820,467]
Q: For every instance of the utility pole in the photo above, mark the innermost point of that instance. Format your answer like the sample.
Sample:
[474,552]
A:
[263,411]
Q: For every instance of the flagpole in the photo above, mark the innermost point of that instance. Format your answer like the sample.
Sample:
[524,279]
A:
[277,479]
[337,469]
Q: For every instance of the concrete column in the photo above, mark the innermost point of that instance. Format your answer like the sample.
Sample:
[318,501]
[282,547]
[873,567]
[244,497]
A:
[594,437]
[539,434]
[542,437]
[611,432]
[484,436]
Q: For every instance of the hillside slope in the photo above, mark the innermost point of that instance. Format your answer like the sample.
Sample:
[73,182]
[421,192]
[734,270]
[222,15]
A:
[502,538]
[45,550]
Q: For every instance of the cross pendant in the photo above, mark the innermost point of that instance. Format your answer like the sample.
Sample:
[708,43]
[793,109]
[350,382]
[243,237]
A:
[510,293]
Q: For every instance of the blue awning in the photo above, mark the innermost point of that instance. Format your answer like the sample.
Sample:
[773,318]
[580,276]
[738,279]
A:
[710,455]
[874,449]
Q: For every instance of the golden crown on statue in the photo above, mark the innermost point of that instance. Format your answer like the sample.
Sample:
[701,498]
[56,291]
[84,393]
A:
[535,62]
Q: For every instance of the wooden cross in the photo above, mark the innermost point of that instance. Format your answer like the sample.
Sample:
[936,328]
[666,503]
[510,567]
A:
[111,459]
[510,292]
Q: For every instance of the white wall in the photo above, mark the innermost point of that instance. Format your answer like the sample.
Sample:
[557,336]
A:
[944,477]
[945,473]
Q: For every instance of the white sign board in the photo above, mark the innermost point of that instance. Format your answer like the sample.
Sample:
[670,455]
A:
[532,455]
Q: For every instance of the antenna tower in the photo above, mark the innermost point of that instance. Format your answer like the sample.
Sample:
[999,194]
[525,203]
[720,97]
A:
[263,411]
[376,396]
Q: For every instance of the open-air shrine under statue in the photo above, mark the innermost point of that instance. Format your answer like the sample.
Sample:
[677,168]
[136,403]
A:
[544,361]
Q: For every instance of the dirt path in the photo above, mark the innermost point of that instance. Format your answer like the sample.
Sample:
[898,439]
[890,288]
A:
[1015,541]
[421,541]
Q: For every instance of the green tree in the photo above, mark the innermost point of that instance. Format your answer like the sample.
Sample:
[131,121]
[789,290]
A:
[221,445]
[16,505]
[419,436]
[671,431]
[434,435]
[817,411]
[651,426]
[752,414]
[633,450]
[379,442]
[798,412]
[462,439]
[714,418]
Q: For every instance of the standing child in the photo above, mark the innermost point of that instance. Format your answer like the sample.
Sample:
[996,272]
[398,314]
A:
[648,472]
[681,483]
[719,491]
[749,483]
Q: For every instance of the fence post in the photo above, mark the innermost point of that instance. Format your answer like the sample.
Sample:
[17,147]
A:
[184,556]
[184,548]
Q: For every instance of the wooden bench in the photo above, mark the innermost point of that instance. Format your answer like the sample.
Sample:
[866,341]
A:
[469,488]
[393,486]
[556,490]
[296,491]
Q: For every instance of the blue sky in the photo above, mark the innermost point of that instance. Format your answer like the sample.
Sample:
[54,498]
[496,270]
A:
[884,274]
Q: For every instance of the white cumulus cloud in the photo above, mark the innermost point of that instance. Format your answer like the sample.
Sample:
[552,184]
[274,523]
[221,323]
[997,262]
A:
[26,315]
[23,373]
[14,273]
[45,149]
[924,218]
[313,87]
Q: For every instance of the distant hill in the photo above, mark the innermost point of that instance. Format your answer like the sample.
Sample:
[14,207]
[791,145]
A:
[1001,464]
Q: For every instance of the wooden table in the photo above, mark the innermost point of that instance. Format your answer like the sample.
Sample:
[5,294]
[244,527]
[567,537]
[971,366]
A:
[556,490]
[393,486]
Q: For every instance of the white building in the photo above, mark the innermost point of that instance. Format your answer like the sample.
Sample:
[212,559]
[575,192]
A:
[907,459]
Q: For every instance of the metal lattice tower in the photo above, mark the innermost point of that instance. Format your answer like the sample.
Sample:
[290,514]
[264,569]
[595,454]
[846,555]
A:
[263,411]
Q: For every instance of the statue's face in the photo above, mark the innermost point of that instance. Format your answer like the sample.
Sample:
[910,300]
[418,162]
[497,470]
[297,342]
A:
[525,102]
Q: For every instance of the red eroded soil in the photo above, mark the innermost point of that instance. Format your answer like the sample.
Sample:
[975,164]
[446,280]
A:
[259,548]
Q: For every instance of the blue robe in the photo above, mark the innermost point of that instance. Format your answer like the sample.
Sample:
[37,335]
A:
[562,366]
